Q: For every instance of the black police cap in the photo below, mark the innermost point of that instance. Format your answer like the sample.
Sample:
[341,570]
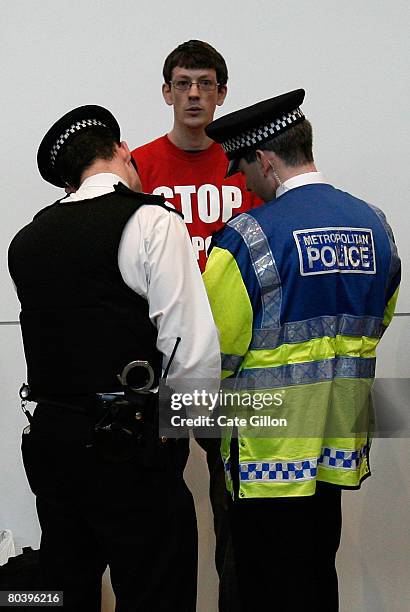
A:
[78,119]
[246,129]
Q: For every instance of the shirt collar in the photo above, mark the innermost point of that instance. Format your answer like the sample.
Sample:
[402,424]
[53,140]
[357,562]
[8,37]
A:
[95,185]
[307,178]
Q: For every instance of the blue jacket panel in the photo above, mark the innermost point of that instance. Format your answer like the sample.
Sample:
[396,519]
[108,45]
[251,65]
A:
[330,254]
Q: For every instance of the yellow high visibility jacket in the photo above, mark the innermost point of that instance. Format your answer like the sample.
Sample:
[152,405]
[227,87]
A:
[302,290]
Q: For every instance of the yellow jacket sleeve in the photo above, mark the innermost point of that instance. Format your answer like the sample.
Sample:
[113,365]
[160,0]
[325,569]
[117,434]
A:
[231,308]
[390,308]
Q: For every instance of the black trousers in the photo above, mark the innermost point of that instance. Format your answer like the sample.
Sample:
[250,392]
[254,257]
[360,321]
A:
[229,599]
[285,551]
[139,520]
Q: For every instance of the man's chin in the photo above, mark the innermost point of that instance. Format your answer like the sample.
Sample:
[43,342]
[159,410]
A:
[197,122]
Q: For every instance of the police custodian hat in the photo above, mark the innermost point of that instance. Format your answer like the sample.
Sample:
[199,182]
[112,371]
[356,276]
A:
[246,129]
[79,119]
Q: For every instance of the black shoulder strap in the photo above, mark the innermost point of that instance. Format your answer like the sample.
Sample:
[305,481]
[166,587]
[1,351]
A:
[145,198]
[43,210]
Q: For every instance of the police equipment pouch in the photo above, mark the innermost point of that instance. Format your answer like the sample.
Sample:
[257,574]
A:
[127,429]
[119,434]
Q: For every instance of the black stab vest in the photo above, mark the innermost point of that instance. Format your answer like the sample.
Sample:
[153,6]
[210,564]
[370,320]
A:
[81,324]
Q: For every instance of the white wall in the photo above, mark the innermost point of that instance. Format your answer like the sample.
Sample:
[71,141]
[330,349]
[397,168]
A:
[351,59]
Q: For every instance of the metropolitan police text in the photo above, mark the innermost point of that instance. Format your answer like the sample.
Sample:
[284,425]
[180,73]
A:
[336,250]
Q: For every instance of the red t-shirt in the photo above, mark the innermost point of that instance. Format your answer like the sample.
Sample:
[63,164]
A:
[195,183]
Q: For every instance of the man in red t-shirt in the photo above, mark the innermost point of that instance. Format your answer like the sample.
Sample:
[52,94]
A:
[188,169]
[185,166]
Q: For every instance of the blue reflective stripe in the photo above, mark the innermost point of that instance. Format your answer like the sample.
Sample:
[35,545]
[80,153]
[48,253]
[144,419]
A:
[339,458]
[227,466]
[318,327]
[301,470]
[278,471]
[230,362]
[264,266]
[306,372]
[395,259]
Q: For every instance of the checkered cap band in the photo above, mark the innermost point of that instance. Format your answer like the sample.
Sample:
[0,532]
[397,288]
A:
[255,136]
[79,125]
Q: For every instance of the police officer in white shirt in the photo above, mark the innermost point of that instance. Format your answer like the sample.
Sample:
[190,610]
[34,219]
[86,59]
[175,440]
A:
[107,276]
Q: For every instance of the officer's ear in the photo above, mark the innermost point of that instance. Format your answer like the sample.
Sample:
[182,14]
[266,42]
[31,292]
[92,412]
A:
[124,151]
[262,161]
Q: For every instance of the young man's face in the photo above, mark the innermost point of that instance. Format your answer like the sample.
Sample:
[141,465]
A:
[195,107]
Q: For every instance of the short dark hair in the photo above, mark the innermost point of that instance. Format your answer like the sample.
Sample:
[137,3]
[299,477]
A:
[196,54]
[294,146]
[82,150]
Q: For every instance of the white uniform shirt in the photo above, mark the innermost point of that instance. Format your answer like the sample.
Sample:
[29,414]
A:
[307,178]
[156,260]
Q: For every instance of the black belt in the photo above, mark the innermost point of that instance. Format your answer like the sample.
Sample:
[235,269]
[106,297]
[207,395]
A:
[77,403]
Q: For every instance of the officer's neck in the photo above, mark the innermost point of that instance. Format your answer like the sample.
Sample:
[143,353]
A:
[112,166]
[287,172]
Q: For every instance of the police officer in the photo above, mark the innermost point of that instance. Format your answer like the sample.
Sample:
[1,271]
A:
[106,276]
[301,290]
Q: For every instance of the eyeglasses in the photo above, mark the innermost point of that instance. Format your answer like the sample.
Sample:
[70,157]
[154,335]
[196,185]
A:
[202,84]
